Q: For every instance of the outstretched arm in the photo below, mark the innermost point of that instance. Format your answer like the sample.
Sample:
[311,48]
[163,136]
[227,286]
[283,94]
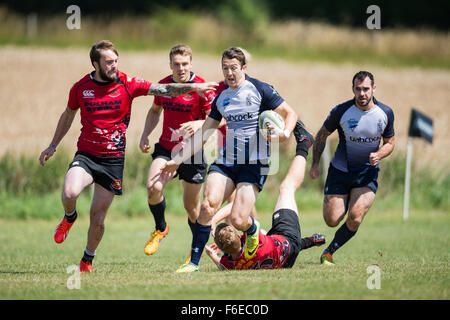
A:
[318,147]
[63,126]
[178,89]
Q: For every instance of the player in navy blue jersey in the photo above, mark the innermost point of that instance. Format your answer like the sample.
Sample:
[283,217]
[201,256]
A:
[362,123]
[244,161]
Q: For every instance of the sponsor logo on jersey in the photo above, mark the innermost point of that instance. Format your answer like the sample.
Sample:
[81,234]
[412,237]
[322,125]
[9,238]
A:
[188,97]
[88,94]
[352,124]
[226,102]
[365,139]
[240,117]
[102,105]
[114,94]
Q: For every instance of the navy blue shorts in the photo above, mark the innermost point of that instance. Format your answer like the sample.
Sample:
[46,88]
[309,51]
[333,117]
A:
[252,173]
[190,172]
[340,182]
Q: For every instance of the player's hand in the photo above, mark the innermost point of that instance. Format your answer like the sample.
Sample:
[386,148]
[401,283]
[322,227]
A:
[314,171]
[46,154]
[212,250]
[190,127]
[203,88]
[275,135]
[374,158]
[168,169]
[144,144]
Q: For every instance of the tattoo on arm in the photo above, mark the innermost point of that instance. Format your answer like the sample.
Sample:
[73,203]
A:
[319,144]
[172,89]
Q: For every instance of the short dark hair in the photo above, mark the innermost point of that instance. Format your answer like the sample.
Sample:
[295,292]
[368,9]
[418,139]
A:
[97,47]
[361,75]
[235,53]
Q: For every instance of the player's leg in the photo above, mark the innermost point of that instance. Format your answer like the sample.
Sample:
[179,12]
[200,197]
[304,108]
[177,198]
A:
[191,200]
[361,199]
[241,218]
[157,204]
[101,202]
[218,187]
[76,179]
[292,181]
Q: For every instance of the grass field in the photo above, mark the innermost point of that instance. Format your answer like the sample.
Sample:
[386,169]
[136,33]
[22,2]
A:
[413,257]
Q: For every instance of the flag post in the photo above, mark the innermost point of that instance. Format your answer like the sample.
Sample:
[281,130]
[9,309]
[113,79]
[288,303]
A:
[407,179]
[420,126]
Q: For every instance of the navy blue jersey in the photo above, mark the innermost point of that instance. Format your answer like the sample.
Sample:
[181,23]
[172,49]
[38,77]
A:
[360,133]
[241,108]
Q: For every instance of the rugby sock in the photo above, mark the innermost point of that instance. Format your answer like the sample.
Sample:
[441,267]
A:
[306,243]
[71,217]
[342,235]
[158,213]
[199,240]
[251,231]
[88,256]
[191,225]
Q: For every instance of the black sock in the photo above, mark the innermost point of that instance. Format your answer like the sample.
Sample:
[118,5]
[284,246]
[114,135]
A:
[71,218]
[342,235]
[158,213]
[191,225]
[306,243]
[87,257]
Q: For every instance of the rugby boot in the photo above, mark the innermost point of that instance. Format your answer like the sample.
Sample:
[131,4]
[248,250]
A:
[251,243]
[62,230]
[318,239]
[187,268]
[153,244]
[302,136]
[85,266]
[326,259]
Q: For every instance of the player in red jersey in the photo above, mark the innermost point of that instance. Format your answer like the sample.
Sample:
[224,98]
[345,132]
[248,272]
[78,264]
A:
[182,116]
[278,249]
[104,99]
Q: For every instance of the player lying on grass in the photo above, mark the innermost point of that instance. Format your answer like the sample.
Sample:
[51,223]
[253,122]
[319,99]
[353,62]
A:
[278,249]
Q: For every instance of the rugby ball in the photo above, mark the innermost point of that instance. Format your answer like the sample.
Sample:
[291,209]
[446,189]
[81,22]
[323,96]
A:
[267,118]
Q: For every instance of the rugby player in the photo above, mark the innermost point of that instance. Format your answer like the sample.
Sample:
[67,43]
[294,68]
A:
[351,183]
[282,244]
[242,166]
[183,115]
[104,99]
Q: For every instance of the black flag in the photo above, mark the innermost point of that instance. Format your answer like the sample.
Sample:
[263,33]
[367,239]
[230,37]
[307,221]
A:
[421,126]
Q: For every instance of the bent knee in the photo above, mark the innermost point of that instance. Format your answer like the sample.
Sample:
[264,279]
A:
[70,194]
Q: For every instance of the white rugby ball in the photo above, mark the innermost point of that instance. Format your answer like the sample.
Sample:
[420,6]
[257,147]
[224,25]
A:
[267,118]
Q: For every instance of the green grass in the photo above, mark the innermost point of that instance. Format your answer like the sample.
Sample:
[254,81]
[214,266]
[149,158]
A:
[413,257]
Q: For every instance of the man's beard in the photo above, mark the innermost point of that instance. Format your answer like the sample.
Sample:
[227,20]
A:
[102,74]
